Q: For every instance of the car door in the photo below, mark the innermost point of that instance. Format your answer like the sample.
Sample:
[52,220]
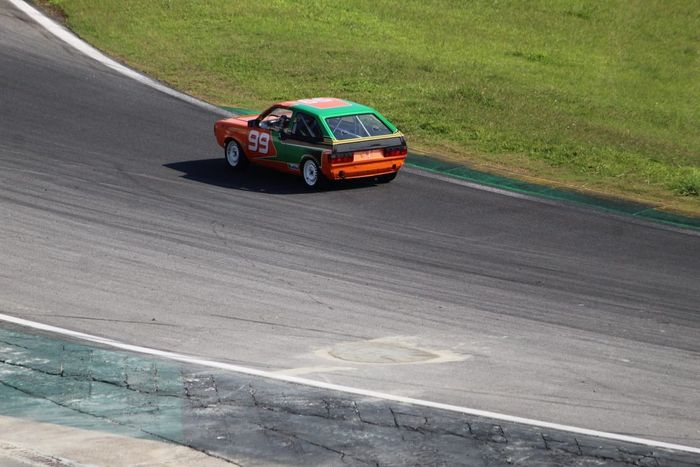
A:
[302,136]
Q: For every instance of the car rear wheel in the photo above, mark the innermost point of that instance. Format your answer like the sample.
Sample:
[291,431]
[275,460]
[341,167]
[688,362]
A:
[311,174]
[386,178]
[234,156]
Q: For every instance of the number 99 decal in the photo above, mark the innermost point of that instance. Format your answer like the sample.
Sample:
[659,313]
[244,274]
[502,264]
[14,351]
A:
[258,142]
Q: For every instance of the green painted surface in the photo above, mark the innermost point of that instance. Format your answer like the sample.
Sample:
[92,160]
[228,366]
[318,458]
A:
[55,381]
[293,154]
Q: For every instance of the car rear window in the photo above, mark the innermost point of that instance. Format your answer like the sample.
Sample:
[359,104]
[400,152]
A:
[357,126]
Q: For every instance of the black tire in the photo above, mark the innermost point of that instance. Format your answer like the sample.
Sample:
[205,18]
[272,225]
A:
[234,156]
[311,174]
[386,178]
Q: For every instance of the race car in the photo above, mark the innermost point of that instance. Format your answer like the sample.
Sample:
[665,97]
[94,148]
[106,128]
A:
[322,139]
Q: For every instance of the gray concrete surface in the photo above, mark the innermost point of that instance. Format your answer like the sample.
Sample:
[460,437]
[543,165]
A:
[75,402]
[118,218]
[27,443]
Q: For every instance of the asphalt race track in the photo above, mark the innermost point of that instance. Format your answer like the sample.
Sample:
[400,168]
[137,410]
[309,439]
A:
[118,218]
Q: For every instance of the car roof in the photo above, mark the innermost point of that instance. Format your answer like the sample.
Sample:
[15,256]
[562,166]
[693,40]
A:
[325,107]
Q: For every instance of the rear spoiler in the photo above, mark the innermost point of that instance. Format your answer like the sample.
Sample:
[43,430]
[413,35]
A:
[369,145]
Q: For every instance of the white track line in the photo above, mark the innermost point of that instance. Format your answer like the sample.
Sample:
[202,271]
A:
[337,387]
[83,47]
[459,181]
[80,45]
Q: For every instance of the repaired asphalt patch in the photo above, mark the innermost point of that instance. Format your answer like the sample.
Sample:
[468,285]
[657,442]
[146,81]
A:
[250,420]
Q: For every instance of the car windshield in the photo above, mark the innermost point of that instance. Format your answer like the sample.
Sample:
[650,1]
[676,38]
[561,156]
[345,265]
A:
[357,126]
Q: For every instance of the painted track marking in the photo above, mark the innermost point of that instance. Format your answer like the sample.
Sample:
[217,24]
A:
[340,388]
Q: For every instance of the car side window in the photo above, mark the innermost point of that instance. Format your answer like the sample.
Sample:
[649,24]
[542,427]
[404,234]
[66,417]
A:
[276,119]
[305,127]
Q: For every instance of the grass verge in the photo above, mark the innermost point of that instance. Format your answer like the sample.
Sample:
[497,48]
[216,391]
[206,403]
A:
[595,96]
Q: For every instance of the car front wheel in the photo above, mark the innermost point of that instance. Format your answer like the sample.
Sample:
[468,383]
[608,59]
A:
[234,156]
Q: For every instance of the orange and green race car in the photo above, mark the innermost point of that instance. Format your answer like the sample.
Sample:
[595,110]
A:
[321,139]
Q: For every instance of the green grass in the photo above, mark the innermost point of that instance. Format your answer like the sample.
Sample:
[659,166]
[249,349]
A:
[601,95]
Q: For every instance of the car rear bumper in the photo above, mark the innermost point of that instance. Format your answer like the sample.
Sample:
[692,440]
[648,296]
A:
[363,169]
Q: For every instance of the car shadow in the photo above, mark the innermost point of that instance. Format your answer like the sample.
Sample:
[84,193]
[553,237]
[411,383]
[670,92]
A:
[252,178]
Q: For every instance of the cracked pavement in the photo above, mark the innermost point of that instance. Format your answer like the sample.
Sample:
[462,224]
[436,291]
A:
[249,420]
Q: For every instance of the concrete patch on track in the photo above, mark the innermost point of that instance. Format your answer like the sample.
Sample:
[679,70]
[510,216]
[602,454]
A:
[248,420]
[389,350]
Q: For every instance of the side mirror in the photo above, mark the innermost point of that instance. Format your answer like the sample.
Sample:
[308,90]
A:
[253,123]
